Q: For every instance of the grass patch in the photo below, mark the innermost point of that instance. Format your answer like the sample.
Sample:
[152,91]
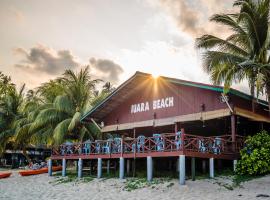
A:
[137,183]
[71,176]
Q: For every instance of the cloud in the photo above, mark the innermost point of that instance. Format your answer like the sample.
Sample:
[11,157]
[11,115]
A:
[106,69]
[43,59]
[192,17]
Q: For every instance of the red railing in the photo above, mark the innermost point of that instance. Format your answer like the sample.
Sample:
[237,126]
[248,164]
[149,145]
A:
[169,142]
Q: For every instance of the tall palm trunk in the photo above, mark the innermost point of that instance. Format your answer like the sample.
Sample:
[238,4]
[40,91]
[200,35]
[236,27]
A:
[268,95]
[26,156]
[252,92]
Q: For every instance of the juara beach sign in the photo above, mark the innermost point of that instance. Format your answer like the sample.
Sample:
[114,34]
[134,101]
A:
[154,105]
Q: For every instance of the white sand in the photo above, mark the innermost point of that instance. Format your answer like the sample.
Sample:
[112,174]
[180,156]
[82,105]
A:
[43,187]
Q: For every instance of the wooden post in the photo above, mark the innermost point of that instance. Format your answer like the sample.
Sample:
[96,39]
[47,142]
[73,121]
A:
[128,166]
[108,167]
[64,165]
[204,166]
[134,158]
[193,168]
[233,131]
[175,127]
[90,166]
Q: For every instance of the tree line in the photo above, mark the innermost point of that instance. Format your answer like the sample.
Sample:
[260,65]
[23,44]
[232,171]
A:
[49,114]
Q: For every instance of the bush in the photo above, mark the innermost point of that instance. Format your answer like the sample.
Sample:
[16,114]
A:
[255,156]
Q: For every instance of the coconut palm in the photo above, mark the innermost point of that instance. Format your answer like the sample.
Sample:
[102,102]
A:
[62,116]
[10,105]
[232,59]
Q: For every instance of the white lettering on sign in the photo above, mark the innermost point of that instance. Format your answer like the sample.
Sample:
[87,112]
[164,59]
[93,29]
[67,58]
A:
[156,104]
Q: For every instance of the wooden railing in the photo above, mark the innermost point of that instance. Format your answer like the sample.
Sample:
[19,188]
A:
[169,142]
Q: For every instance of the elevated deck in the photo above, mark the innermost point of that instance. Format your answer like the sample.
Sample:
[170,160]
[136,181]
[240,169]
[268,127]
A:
[165,145]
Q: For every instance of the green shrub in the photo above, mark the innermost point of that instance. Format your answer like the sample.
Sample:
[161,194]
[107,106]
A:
[255,156]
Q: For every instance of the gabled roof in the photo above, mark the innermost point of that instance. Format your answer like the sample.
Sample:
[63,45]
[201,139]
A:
[129,87]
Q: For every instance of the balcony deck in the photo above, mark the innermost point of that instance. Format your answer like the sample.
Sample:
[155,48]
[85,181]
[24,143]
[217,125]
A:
[168,145]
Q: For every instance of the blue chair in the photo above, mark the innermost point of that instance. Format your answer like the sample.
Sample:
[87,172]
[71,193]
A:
[63,150]
[202,147]
[159,142]
[87,147]
[178,141]
[217,145]
[107,146]
[69,147]
[117,145]
[140,143]
[98,146]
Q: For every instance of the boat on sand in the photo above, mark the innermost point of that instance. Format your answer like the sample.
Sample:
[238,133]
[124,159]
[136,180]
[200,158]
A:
[39,171]
[5,174]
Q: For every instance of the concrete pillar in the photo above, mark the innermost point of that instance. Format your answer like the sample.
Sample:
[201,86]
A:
[193,168]
[80,167]
[128,166]
[211,167]
[149,168]
[121,168]
[108,167]
[182,169]
[99,168]
[64,167]
[49,167]
[204,166]
[234,165]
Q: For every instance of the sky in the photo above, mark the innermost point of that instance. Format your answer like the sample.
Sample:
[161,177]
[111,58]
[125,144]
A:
[40,39]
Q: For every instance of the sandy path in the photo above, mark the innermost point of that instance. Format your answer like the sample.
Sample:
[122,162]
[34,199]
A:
[43,187]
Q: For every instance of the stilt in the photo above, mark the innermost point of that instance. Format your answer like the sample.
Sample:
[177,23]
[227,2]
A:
[204,166]
[80,167]
[128,167]
[177,164]
[149,168]
[193,168]
[134,167]
[50,167]
[90,166]
[182,169]
[99,168]
[108,167]
[234,165]
[211,167]
[64,167]
[121,168]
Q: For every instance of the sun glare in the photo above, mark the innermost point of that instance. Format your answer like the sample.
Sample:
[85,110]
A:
[155,75]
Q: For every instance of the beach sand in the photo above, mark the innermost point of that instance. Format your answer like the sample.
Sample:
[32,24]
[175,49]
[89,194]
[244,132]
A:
[41,187]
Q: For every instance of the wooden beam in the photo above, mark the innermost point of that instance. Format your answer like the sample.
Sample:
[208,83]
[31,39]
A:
[170,120]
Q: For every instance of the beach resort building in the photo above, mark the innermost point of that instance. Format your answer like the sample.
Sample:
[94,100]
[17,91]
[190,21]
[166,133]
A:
[167,124]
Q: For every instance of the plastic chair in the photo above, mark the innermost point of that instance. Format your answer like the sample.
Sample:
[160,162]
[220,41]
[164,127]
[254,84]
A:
[159,142]
[98,147]
[178,141]
[87,147]
[202,147]
[107,147]
[117,145]
[69,147]
[140,143]
[217,145]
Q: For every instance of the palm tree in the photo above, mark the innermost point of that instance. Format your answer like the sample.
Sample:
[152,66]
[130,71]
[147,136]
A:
[232,59]
[62,116]
[10,105]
